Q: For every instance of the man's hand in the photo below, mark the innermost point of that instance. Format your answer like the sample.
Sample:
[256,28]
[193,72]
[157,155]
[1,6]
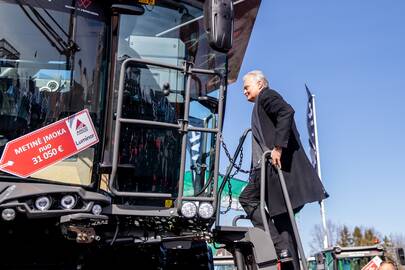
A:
[276,156]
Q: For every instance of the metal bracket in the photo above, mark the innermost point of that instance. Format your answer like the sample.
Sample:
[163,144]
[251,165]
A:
[84,235]
[183,125]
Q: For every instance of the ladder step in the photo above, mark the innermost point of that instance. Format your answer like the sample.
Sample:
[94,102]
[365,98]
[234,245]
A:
[262,246]
[229,234]
[263,249]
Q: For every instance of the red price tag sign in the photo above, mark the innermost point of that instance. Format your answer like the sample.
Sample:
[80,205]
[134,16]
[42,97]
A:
[373,264]
[46,146]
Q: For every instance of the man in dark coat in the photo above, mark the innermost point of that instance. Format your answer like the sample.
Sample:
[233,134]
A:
[273,128]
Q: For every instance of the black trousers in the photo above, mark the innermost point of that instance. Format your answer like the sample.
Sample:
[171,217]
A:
[280,227]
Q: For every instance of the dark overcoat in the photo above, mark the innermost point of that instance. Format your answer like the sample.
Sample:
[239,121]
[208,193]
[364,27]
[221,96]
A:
[276,127]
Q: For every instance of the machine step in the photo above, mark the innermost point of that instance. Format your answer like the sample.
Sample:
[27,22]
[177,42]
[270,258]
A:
[237,238]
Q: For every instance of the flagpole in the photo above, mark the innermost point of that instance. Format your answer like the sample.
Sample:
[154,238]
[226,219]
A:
[318,168]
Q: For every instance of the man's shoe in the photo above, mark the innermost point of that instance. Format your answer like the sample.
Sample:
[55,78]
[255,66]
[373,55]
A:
[284,256]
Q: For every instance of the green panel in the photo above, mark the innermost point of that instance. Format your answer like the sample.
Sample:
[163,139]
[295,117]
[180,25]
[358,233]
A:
[237,186]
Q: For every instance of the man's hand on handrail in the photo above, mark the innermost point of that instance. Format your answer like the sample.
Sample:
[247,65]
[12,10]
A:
[276,156]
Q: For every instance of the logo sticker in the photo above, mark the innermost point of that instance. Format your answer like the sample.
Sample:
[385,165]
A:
[84,3]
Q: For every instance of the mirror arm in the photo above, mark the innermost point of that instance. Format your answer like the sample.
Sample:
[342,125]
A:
[178,26]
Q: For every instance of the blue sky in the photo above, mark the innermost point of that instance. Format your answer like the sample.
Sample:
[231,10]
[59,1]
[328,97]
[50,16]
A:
[351,54]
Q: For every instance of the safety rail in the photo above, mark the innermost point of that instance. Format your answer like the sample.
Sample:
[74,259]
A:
[182,126]
[264,161]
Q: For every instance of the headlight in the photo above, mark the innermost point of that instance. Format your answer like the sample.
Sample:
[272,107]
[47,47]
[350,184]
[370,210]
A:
[189,209]
[8,214]
[43,203]
[96,210]
[205,210]
[68,201]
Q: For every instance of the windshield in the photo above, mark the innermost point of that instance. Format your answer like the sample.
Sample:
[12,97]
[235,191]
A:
[150,157]
[51,66]
[353,263]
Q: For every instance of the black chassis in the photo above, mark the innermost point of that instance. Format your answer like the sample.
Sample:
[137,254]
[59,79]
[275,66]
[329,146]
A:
[66,239]
[116,223]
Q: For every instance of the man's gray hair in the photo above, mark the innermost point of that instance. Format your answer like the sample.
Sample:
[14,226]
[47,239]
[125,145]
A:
[257,75]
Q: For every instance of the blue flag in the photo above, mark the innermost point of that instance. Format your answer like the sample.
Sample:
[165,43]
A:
[311,127]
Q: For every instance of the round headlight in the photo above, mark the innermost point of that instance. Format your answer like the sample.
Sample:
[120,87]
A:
[205,210]
[8,214]
[43,203]
[68,201]
[96,210]
[189,209]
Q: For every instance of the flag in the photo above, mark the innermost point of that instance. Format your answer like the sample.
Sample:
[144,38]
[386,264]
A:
[311,121]
[311,127]
[195,144]
[195,139]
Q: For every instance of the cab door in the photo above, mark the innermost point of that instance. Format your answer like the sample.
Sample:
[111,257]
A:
[169,109]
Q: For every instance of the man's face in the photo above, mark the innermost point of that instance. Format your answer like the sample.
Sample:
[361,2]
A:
[386,266]
[251,88]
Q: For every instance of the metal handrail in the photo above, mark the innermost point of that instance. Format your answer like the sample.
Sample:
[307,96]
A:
[183,126]
[264,159]
[287,200]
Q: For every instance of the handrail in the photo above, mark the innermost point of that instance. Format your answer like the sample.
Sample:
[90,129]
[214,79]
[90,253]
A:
[263,162]
[227,174]
[182,126]
[287,202]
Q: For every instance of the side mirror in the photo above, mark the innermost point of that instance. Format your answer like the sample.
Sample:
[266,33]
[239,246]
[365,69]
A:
[218,22]
[211,103]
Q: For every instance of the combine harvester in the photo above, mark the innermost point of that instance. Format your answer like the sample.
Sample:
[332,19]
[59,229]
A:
[356,258]
[107,108]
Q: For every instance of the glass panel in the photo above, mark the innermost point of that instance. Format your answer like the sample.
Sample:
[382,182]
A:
[154,154]
[149,160]
[200,161]
[156,36]
[329,261]
[51,66]
[353,263]
[230,266]
[153,93]
[203,110]
[157,94]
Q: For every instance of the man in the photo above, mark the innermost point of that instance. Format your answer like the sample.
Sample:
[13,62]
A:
[387,265]
[273,128]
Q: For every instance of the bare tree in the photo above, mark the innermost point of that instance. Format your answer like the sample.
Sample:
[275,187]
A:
[345,237]
[359,236]
[317,233]
[398,240]
[317,239]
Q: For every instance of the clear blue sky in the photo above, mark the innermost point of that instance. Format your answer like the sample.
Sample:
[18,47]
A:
[351,54]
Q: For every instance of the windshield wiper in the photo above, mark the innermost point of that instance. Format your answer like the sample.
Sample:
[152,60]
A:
[66,48]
